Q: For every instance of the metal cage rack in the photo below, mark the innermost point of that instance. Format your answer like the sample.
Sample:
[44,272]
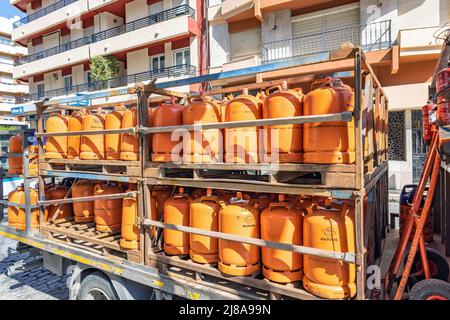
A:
[364,182]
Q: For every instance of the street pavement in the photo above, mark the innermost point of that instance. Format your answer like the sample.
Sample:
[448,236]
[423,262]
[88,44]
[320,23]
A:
[35,284]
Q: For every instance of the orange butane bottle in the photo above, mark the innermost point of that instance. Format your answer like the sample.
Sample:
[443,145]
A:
[176,211]
[202,145]
[93,146]
[130,228]
[329,229]
[283,143]
[108,212]
[113,120]
[73,142]
[240,218]
[204,215]
[129,143]
[329,142]
[56,147]
[166,148]
[242,144]
[83,211]
[282,222]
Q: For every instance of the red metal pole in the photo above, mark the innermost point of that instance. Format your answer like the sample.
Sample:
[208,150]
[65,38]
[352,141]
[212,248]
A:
[419,228]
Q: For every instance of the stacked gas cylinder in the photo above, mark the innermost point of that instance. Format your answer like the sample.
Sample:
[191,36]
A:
[109,215]
[312,222]
[328,142]
[15,163]
[117,146]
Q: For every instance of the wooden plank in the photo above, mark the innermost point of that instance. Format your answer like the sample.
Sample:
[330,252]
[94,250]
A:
[304,167]
[245,281]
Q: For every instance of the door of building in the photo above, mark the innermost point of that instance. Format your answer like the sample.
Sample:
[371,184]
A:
[419,147]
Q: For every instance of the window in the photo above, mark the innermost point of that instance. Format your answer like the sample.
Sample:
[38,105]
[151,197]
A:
[157,62]
[245,44]
[181,57]
[68,83]
[396,137]
[40,90]
[177,3]
[89,79]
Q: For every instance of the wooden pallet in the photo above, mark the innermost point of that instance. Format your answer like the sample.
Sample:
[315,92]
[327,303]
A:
[85,236]
[112,167]
[337,176]
[184,268]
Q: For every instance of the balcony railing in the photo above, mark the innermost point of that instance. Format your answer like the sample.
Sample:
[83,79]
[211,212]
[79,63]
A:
[175,71]
[42,12]
[113,32]
[373,36]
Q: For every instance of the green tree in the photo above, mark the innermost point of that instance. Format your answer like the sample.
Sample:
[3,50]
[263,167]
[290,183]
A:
[104,68]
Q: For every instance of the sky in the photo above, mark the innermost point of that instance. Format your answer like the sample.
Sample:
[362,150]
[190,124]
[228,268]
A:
[9,11]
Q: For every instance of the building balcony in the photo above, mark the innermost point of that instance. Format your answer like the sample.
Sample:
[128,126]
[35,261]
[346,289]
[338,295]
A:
[154,28]
[420,41]
[374,36]
[6,68]
[178,71]
[48,17]
[13,89]
[8,47]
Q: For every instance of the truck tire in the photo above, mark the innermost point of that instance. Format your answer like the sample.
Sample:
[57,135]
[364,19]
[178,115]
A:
[430,289]
[96,286]
[439,268]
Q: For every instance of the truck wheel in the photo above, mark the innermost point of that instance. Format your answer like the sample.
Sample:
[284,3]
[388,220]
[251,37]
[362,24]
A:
[430,289]
[439,268]
[96,286]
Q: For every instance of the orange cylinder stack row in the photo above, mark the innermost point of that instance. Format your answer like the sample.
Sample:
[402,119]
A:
[316,142]
[115,146]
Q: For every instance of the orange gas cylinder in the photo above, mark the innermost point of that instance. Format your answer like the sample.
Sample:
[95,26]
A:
[164,149]
[129,143]
[242,144]
[83,211]
[176,211]
[202,145]
[158,197]
[150,115]
[33,165]
[15,163]
[226,195]
[21,215]
[108,212]
[73,142]
[283,143]
[65,210]
[204,215]
[93,146]
[282,222]
[329,229]
[56,147]
[14,196]
[113,120]
[329,142]
[239,217]
[130,229]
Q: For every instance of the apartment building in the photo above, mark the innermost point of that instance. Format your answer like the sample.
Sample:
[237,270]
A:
[150,38]
[400,37]
[11,91]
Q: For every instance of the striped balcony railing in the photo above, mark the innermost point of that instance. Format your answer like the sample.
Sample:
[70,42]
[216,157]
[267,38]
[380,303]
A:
[110,33]
[42,12]
[373,36]
[174,71]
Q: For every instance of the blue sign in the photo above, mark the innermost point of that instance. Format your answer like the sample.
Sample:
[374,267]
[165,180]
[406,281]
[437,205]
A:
[81,103]
[16,110]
